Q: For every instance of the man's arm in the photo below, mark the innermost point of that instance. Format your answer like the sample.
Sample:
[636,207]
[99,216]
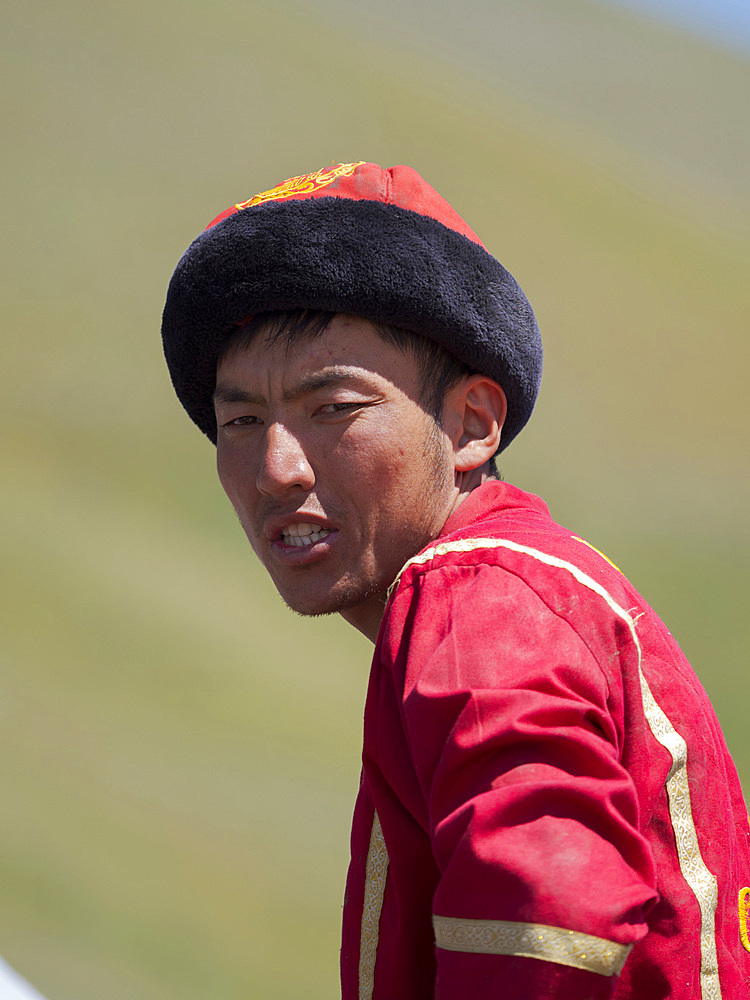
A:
[514,734]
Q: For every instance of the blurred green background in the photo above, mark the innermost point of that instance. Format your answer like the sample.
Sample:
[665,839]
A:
[180,754]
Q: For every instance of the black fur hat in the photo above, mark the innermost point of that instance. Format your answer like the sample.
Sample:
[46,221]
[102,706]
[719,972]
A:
[353,238]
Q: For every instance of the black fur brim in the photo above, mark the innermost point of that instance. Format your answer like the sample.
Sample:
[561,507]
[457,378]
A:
[384,263]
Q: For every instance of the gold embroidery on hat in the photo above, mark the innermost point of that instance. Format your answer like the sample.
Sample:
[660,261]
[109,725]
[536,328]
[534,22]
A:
[304,184]
[701,881]
[744,909]
[376,872]
[514,937]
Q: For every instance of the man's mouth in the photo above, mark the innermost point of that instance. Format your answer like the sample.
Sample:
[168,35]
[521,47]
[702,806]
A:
[303,534]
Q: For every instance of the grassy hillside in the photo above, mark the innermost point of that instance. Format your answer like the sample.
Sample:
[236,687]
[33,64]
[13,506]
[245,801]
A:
[181,753]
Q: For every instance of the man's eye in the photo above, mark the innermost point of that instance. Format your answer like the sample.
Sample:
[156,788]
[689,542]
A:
[339,407]
[245,421]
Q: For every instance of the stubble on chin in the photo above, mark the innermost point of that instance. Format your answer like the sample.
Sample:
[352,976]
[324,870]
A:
[340,598]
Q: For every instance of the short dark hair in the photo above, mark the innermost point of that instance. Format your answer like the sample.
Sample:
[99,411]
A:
[438,369]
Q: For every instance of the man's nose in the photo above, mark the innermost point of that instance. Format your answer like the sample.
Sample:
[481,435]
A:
[284,464]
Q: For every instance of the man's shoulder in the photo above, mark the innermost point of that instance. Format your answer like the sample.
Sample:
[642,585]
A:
[507,531]
[512,586]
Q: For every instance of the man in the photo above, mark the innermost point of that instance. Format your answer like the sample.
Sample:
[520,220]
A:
[547,806]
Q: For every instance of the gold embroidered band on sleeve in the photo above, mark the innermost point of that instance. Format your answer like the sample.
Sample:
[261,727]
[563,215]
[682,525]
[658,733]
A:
[376,872]
[744,909]
[700,880]
[550,944]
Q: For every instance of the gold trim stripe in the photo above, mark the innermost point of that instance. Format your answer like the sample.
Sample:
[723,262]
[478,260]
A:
[700,880]
[549,944]
[376,872]
[743,904]
[693,867]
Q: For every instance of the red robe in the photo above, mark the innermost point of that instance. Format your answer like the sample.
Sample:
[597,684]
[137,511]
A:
[547,808]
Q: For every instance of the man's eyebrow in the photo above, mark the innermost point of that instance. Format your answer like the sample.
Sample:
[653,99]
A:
[226,392]
[321,380]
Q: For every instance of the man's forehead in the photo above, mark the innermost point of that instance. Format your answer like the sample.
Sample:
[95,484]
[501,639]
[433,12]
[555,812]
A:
[292,327]
[346,341]
[231,384]
[344,355]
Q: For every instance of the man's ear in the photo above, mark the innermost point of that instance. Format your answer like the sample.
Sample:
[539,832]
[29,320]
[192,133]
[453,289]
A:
[473,417]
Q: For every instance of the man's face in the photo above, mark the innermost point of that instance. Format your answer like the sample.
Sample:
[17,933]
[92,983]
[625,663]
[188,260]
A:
[336,472]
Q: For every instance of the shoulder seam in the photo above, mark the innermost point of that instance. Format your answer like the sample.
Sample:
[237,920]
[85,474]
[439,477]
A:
[466,545]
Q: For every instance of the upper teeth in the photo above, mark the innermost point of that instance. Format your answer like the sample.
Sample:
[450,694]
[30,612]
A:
[303,534]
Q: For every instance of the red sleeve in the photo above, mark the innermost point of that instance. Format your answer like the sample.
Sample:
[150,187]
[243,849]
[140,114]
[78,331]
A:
[513,730]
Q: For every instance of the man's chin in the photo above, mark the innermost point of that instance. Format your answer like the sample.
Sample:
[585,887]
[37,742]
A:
[332,603]
[306,611]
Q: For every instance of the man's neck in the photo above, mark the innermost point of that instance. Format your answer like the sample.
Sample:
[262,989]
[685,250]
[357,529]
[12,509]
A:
[367,616]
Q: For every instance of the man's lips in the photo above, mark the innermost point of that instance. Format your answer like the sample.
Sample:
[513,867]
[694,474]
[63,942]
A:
[298,531]
[302,543]
[303,534]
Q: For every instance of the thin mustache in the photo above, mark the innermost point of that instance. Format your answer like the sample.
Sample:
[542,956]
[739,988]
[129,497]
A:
[273,509]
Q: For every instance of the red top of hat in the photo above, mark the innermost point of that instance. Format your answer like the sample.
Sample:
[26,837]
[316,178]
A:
[401,186]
